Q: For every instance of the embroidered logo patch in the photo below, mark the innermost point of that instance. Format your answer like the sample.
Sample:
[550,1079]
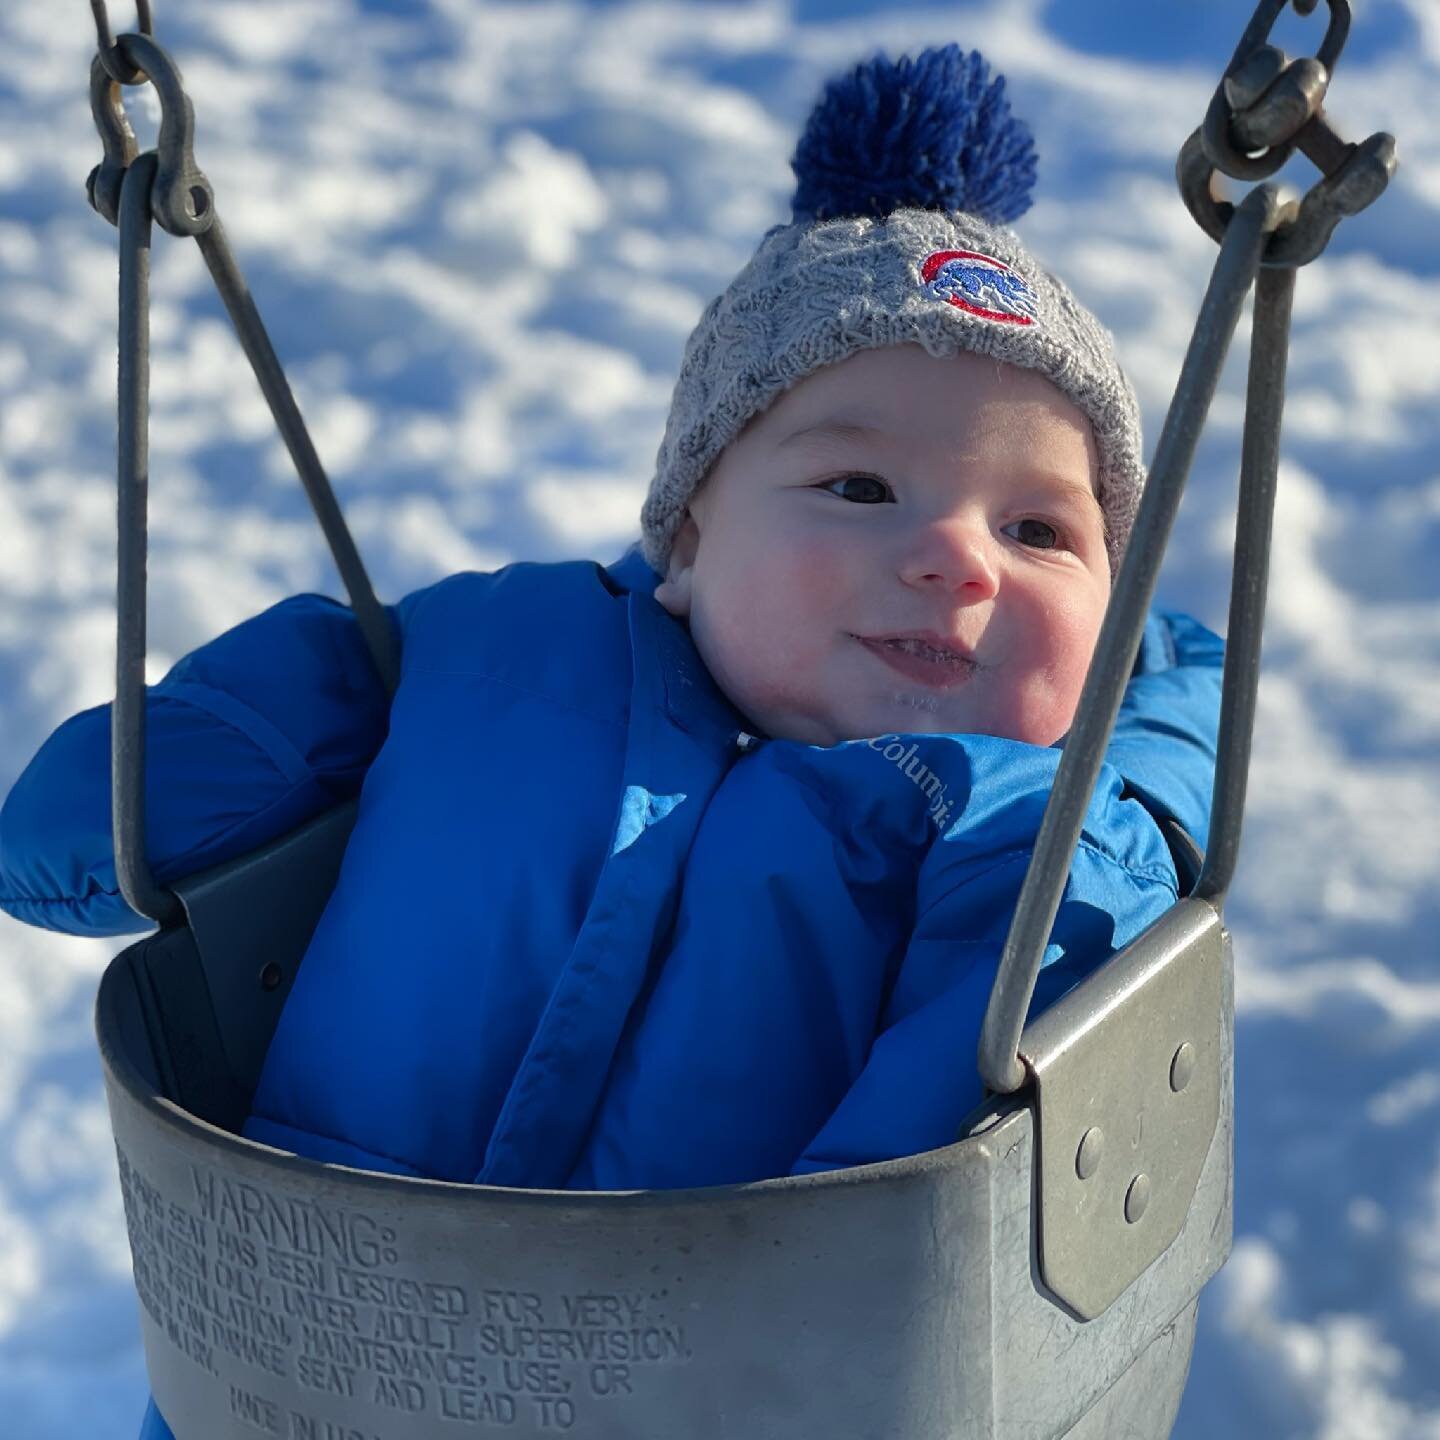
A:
[980,284]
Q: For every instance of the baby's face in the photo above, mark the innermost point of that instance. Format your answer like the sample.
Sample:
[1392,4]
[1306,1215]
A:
[900,543]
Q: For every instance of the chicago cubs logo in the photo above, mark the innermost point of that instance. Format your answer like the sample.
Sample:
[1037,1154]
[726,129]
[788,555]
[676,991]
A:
[981,284]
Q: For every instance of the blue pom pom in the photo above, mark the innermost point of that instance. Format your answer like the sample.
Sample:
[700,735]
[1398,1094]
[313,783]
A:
[933,133]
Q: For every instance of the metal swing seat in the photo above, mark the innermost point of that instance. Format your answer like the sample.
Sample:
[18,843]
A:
[1037,1278]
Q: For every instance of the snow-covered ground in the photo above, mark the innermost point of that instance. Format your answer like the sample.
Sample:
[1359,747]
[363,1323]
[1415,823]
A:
[480,234]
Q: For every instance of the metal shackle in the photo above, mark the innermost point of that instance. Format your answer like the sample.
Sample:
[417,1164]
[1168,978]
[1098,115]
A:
[1264,109]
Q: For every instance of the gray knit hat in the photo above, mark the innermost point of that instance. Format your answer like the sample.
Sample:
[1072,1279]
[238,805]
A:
[905,172]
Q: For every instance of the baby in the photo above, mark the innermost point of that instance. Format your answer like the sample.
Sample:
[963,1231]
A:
[696,868]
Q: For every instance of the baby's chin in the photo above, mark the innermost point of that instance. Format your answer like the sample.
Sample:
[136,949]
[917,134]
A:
[833,720]
[906,714]
[901,714]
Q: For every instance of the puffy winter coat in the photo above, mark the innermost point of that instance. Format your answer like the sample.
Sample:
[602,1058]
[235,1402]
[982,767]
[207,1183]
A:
[587,933]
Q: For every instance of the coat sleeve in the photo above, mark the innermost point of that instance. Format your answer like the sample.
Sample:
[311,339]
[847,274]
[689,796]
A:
[247,737]
[1164,741]
[920,1079]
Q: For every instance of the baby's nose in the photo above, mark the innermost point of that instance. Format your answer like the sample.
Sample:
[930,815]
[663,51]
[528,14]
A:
[958,555]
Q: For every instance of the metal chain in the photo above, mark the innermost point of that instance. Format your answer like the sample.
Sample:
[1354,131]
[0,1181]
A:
[1264,109]
[1262,102]
[114,63]
[129,190]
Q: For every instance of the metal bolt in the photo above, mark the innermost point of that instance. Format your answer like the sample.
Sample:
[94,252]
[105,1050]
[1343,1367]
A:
[1087,1157]
[1182,1067]
[1137,1197]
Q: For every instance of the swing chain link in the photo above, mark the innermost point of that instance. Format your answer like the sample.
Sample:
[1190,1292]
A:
[1264,109]
[117,67]
[182,199]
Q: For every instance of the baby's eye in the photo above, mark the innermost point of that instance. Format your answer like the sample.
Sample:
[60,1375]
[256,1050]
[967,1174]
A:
[1037,534]
[869,489]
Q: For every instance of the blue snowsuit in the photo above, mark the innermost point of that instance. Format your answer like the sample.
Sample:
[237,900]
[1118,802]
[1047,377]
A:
[588,933]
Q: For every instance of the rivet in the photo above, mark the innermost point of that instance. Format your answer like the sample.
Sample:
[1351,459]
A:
[1182,1067]
[1137,1197]
[1087,1157]
[270,977]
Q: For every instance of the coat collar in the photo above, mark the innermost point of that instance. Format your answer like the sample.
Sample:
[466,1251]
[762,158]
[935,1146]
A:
[669,674]
[632,572]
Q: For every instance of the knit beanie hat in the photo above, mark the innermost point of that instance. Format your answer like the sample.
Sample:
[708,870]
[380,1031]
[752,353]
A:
[906,172]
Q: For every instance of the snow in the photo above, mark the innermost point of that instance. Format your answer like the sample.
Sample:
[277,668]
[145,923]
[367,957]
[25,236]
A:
[479,234]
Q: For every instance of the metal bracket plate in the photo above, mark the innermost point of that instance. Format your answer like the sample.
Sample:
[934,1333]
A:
[1127,1073]
[253,919]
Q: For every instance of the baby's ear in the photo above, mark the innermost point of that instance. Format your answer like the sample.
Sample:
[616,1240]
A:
[673,592]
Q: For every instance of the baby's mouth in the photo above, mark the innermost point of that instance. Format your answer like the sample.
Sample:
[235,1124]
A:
[935,665]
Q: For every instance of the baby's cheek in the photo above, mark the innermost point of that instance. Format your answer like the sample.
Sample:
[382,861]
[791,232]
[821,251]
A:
[1047,716]
[770,647]
[1054,694]
[773,626]
[786,591]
